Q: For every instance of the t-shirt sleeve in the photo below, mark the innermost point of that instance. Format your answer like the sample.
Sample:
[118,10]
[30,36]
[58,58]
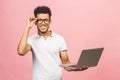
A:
[63,45]
[29,41]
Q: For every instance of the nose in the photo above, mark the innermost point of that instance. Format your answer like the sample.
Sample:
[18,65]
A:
[43,22]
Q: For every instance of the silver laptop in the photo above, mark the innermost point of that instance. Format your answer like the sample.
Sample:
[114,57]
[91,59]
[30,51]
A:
[88,57]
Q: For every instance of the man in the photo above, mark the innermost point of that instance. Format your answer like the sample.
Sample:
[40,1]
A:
[47,47]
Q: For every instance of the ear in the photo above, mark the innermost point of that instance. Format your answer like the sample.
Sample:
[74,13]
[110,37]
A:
[50,21]
[35,23]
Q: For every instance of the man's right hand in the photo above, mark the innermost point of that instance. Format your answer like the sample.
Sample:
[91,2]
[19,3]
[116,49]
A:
[31,21]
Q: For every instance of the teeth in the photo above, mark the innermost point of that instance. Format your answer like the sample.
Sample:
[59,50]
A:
[43,27]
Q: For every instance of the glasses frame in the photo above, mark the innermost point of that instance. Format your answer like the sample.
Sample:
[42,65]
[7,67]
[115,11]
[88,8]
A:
[40,21]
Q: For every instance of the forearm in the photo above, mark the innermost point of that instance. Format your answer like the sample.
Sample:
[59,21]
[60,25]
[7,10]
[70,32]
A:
[23,41]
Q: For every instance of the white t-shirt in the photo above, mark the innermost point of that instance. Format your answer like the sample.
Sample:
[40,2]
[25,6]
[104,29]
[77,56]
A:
[46,56]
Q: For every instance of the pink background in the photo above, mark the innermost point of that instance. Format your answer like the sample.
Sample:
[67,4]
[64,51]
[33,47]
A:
[83,24]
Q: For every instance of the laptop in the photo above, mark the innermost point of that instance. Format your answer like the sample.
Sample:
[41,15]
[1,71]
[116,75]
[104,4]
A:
[88,57]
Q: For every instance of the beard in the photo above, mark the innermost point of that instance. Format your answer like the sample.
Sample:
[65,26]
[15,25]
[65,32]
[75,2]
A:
[43,32]
[43,28]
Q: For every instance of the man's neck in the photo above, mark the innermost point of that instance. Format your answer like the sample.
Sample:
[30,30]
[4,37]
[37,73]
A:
[45,35]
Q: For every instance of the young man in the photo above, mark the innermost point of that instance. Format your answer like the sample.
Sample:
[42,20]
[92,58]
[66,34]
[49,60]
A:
[48,48]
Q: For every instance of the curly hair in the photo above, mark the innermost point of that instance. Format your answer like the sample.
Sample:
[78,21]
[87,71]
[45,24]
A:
[42,9]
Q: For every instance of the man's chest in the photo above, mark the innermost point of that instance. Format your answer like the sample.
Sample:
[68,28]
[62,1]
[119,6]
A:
[49,44]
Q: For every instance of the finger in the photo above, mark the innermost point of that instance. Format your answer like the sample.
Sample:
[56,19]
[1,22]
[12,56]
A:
[32,18]
[34,21]
[85,67]
[68,69]
[80,69]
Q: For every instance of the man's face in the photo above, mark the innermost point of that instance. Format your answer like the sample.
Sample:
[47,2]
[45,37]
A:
[43,22]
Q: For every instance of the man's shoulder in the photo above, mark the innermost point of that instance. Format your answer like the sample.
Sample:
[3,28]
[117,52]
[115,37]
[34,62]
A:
[33,36]
[57,35]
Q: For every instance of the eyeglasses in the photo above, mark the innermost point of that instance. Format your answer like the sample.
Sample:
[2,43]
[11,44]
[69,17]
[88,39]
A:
[46,21]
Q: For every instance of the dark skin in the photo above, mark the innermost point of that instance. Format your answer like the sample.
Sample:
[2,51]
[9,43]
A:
[65,60]
[42,21]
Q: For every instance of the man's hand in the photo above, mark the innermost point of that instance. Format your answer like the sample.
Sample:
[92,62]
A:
[31,21]
[81,69]
[74,69]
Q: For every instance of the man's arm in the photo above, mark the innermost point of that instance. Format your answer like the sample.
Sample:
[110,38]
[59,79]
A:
[65,59]
[23,47]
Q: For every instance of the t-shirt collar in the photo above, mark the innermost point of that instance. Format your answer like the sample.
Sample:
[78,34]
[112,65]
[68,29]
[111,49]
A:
[52,34]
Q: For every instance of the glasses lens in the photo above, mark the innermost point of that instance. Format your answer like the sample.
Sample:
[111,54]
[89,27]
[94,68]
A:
[39,20]
[43,20]
[46,20]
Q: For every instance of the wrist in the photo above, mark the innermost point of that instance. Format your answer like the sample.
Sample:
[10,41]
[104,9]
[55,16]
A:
[28,27]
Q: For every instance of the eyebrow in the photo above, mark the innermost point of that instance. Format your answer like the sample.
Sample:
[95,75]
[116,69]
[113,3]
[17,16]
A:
[41,18]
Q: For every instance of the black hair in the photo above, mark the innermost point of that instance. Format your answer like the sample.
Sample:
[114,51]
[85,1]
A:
[42,9]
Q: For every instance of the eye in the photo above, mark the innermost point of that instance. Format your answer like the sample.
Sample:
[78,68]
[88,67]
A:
[46,20]
[39,20]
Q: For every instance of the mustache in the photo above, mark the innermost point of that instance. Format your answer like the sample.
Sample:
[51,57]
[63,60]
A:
[43,25]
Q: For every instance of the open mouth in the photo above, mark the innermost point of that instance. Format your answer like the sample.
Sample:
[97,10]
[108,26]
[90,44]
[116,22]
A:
[43,27]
